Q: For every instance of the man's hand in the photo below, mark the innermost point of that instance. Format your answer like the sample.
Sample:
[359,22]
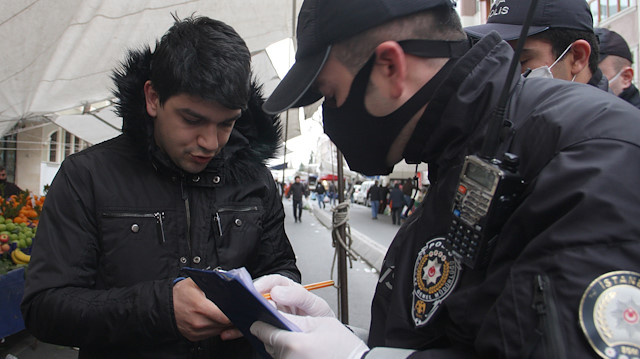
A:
[322,338]
[290,297]
[197,317]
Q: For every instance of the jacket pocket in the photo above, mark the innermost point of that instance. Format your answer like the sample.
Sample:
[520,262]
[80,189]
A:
[237,232]
[548,338]
[136,246]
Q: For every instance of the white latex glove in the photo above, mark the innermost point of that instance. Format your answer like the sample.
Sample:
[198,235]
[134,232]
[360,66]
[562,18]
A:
[290,297]
[322,338]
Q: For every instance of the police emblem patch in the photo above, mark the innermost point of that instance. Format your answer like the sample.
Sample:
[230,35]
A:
[610,315]
[435,275]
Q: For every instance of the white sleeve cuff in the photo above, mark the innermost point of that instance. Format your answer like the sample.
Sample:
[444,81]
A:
[388,353]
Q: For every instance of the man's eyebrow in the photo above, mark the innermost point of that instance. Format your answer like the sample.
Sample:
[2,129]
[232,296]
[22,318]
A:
[189,112]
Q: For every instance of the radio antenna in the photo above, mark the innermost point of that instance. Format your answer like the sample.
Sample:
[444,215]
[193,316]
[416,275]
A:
[492,139]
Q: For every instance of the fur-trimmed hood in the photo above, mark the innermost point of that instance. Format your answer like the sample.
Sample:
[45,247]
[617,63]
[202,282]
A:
[256,136]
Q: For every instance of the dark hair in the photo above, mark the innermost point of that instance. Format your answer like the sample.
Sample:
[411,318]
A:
[438,23]
[202,57]
[560,39]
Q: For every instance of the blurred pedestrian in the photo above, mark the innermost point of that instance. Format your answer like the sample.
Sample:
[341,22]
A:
[320,192]
[297,191]
[7,189]
[374,197]
[396,197]
[333,193]
[384,198]
[407,190]
[280,188]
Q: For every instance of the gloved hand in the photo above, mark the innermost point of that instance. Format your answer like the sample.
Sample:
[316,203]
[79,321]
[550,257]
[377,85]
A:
[290,297]
[322,338]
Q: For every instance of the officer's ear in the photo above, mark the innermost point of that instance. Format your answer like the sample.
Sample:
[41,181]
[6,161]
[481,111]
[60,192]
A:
[626,76]
[579,55]
[391,68]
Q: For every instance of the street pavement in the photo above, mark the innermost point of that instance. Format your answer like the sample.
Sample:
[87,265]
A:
[312,243]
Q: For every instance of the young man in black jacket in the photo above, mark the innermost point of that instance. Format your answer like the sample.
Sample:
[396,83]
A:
[562,278]
[185,185]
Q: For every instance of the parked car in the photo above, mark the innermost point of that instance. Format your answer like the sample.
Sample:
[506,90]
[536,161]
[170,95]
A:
[361,196]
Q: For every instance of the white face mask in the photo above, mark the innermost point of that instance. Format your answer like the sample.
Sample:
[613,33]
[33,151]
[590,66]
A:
[615,77]
[545,71]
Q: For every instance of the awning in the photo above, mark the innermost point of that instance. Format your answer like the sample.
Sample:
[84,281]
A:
[330,177]
[93,128]
[58,55]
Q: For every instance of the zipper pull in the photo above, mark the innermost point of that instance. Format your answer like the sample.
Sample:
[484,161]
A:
[217,218]
[538,295]
[159,217]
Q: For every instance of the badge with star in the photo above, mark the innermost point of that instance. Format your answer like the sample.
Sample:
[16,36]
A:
[610,315]
[435,275]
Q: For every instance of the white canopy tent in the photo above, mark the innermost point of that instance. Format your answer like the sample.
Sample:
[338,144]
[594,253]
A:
[57,55]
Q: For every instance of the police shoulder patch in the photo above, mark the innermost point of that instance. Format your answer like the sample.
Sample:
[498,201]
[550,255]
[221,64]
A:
[610,315]
[435,275]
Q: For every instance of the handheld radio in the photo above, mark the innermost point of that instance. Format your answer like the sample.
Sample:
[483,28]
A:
[489,188]
[487,193]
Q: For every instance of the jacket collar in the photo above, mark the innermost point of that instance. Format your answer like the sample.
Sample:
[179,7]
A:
[600,81]
[464,102]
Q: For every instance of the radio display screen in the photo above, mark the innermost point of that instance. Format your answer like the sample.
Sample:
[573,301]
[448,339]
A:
[480,175]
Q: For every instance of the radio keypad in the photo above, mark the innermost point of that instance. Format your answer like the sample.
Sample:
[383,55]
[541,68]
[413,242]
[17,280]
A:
[464,232]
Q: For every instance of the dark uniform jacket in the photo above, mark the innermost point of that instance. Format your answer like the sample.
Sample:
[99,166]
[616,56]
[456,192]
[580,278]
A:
[121,220]
[599,80]
[631,95]
[579,151]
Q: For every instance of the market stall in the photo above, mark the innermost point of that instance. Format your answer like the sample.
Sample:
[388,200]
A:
[18,224]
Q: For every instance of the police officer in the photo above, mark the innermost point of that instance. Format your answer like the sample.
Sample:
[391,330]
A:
[560,42]
[562,279]
[615,62]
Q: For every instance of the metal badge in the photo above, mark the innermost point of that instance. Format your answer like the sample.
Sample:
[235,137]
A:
[435,276]
[610,315]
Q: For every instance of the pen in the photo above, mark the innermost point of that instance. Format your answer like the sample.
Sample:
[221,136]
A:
[311,286]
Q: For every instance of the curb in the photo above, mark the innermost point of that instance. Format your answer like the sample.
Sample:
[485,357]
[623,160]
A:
[369,250]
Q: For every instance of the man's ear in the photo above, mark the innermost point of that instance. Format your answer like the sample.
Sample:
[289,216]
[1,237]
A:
[152,100]
[391,66]
[580,52]
[626,76]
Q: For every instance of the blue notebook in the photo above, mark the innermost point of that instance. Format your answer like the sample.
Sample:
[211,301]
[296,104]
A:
[233,292]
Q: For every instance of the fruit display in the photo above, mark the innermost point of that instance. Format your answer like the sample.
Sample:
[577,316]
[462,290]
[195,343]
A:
[18,224]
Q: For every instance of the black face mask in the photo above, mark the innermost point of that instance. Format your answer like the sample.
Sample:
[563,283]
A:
[368,154]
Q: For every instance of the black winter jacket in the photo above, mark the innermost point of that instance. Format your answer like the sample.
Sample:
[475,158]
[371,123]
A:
[579,150]
[121,220]
[599,80]
[631,95]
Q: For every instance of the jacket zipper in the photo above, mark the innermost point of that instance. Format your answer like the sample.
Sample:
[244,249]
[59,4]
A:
[238,209]
[159,216]
[216,216]
[187,209]
[549,325]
